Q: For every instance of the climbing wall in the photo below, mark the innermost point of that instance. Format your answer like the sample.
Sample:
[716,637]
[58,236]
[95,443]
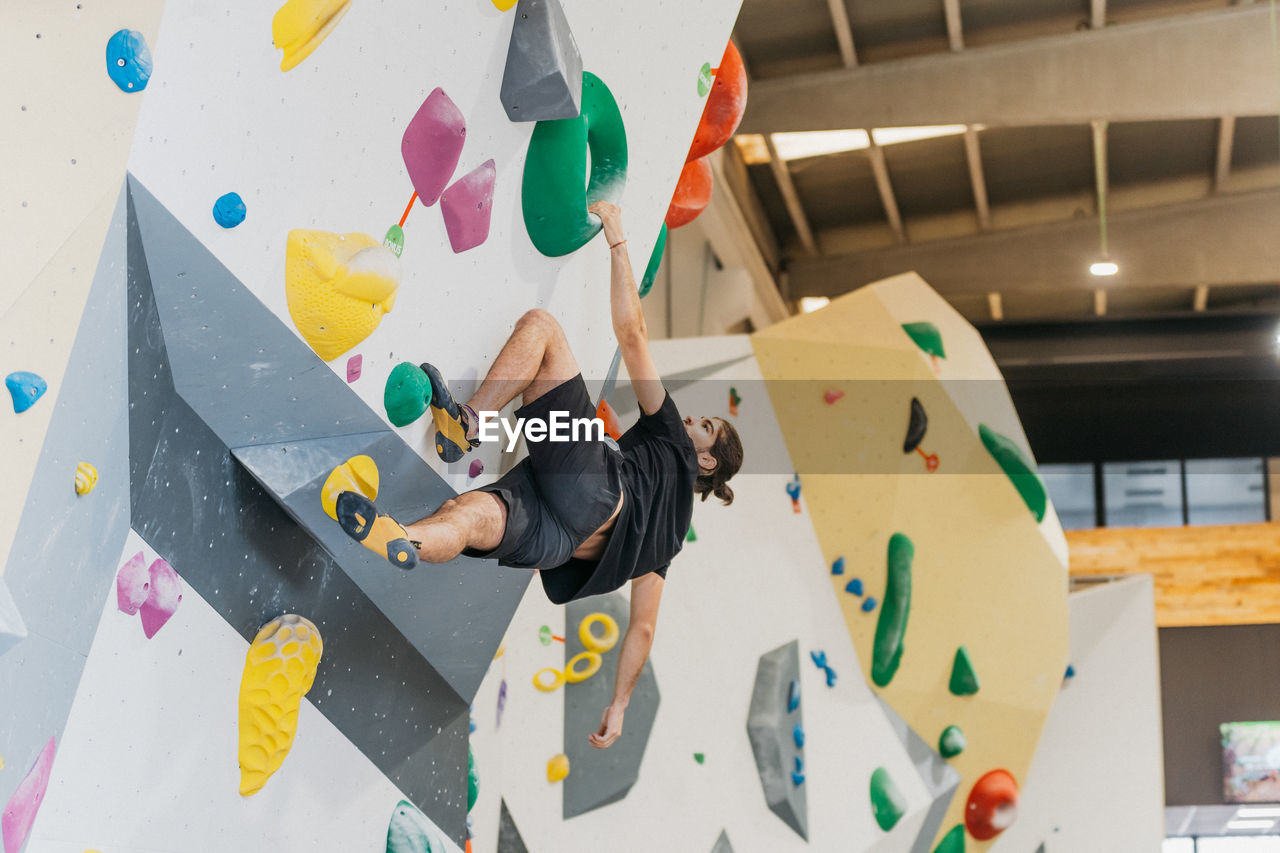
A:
[218,249]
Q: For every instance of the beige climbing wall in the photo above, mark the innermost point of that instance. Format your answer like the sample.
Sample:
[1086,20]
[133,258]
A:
[985,575]
[67,135]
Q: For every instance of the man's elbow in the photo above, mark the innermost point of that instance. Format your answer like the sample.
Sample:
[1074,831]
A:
[641,632]
[631,332]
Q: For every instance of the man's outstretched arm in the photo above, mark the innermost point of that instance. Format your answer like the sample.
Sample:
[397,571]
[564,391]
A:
[646,592]
[628,317]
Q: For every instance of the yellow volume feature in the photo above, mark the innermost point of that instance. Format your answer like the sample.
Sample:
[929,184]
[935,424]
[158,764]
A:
[357,474]
[278,672]
[301,25]
[338,287]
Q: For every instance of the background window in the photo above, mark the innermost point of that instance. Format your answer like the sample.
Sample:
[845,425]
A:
[1142,494]
[1225,491]
[1071,490]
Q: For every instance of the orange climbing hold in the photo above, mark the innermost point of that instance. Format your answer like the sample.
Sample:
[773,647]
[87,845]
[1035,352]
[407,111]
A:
[612,426]
[693,193]
[725,106]
[992,806]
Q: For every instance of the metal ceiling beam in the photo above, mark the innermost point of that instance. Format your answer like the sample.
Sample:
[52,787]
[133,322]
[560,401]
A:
[782,174]
[973,153]
[844,32]
[885,187]
[1226,142]
[1187,66]
[1226,239]
[1097,14]
[955,29]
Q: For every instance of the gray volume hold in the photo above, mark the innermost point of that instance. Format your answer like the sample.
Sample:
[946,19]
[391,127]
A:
[543,76]
[940,778]
[771,727]
[722,844]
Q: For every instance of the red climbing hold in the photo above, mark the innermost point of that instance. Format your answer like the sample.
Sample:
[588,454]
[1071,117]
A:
[725,106]
[693,193]
[832,396]
[612,427]
[992,806]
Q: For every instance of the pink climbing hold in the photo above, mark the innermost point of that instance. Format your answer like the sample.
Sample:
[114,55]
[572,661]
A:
[132,583]
[20,811]
[432,144]
[354,365]
[467,205]
[163,600]
[476,468]
[832,396]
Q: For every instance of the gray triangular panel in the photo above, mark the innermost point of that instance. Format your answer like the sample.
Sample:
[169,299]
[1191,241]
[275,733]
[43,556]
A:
[939,777]
[509,840]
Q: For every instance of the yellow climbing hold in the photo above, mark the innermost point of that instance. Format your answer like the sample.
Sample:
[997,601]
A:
[300,25]
[598,644]
[278,671]
[338,287]
[504,5]
[357,474]
[556,682]
[502,650]
[557,767]
[573,674]
[1,762]
[86,478]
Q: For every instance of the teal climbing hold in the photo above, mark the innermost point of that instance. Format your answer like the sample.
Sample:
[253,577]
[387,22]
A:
[128,60]
[25,388]
[927,337]
[951,742]
[473,780]
[964,681]
[229,210]
[892,623]
[655,261]
[952,842]
[887,803]
[407,394]
[411,832]
[1020,470]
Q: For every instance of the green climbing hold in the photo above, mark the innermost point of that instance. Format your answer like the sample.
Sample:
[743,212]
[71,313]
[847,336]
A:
[1020,470]
[700,757]
[705,78]
[394,240]
[951,742]
[886,652]
[964,681]
[887,803]
[544,635]
[553,197]
[655,261]
[691,536]
[473,781]
[952,842]
[927,337]
[407,394]
[410,832]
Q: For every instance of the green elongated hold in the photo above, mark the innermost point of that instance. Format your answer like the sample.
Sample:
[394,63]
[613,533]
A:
[655,261]
[887,803]
[952,842]
[951,742]
[886,652]
[473,781]
[1020,470]
[964,681]
[554,198]
[407,394]
[927,337]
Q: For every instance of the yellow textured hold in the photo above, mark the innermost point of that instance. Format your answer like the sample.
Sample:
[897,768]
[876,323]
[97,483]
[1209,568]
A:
[300,25]
[278,672]
[86,478]
[357,474]
[504,5]
[338,287]
[557,767]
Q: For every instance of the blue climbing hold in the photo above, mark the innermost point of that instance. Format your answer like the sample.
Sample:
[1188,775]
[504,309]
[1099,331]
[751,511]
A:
[228,210]
[1071,672]
[854,586]
[831,677]
[473,725]
[797,779]
[793,697]
[128,60]
[25,388]
[819,659]
[868,604]
[793,488]
[799,764]
[798,734]
[837,568]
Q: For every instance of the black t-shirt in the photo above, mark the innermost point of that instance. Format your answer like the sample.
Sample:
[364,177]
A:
[659,467]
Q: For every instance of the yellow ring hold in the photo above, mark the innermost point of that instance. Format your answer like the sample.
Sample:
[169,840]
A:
[557,767]
[357,474]
[590,640]
[86,478]
[571,673]
[557,682]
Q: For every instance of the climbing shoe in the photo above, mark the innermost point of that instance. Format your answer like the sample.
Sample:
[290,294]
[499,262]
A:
[450,419]
[381,534]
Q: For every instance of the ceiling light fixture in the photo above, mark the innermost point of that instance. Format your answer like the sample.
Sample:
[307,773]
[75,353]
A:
[812,303]
[1103,268]
[1255,811]
[1250,824]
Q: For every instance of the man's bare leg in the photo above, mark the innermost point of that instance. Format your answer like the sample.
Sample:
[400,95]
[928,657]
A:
[471,520]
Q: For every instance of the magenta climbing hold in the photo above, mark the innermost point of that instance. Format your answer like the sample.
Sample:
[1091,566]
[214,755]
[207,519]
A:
[432,144]
[25,388]
[20,811]
[467,206]
[475,469]
[354,365]
[163,598]
[133,582]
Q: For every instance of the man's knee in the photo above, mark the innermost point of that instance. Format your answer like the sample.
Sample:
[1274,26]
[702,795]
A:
[542,319]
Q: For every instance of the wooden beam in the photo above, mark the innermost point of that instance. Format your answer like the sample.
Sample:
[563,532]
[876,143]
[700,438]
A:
[844,33]
[973,153]
[1228,575]
[782,174]
[955,28]
[996,304]
[885,186]
[1097,14]
[1226,143]
[1100,303]
[737,180]
[1201,300]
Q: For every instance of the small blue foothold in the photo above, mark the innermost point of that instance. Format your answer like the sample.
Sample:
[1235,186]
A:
[793,488]
[837,568]
[831,677]
[25,388]
[473,726]
[798,734]
[819,659]
[868,604]
[797,779]
[229,210]
[128,60]
[1071,672]
[793,697]
[854,586]
[799,764]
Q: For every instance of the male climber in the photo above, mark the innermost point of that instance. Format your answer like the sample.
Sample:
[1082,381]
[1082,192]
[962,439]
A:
[590,515]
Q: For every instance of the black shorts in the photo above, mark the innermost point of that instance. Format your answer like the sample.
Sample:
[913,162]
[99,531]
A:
[561,493]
